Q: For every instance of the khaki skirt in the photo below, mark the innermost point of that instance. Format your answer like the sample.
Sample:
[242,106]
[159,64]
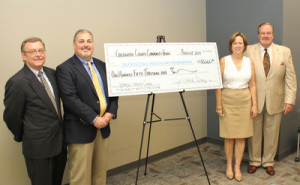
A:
[237,121]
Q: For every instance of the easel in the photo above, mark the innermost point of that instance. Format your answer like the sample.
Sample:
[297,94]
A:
[161,38]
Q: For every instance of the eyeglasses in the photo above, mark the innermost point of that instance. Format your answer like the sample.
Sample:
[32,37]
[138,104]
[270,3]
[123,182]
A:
[35,52]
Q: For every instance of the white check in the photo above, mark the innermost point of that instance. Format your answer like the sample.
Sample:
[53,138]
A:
[144,68]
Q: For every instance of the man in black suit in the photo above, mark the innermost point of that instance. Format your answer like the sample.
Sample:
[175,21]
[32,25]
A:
[83,88]
[32,114]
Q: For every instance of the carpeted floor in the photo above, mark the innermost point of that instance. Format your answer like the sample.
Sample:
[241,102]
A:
[185,168]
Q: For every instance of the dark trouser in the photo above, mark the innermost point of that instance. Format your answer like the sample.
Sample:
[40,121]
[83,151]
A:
[48,171]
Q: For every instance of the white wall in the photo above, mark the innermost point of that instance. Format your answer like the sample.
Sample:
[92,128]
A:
[110,21]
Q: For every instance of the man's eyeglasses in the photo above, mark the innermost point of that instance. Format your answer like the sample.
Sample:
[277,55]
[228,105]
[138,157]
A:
[35,52]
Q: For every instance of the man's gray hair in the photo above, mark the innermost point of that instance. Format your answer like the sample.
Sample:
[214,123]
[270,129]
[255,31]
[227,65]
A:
[264,23]
[31,39]
[82,31]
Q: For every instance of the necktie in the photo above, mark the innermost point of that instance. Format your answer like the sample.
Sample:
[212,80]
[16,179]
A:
[98,90]
[48,90]
[266,62]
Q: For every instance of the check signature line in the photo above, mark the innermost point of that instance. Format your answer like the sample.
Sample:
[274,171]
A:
[182,70]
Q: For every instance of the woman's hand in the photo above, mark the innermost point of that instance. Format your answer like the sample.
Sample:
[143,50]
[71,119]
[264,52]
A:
[253,111]
[219,111]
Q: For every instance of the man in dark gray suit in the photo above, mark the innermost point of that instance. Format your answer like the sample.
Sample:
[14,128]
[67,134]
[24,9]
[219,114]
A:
[83,88]
[32,114]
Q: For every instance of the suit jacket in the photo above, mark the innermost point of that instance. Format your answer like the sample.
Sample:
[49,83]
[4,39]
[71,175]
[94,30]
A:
[80,100]
[280,85]
[31,116]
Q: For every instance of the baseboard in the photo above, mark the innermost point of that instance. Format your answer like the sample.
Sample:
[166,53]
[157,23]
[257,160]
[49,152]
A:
[215,141]
[279,157]
[158,156]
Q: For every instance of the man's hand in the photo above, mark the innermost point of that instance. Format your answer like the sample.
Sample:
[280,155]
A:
[107,116]
[103,121]
[288,108]
[100,122]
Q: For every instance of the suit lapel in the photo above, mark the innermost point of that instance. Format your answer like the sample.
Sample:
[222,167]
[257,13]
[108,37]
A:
[38,88]
[80,68]
[275,55]
[259,62]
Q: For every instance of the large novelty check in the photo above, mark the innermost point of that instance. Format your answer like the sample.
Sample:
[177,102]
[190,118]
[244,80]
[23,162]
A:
[144,68]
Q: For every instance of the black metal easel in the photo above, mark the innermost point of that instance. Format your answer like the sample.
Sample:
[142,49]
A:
[161,38]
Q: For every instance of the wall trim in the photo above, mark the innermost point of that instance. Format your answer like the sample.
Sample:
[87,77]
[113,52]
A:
[155,157]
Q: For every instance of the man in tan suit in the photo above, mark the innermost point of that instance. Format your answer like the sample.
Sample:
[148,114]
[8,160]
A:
[276,93]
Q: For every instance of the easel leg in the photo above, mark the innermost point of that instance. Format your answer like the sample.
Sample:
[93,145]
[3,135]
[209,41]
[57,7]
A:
[141,146]
[297,154]
[151,116]
[189,120]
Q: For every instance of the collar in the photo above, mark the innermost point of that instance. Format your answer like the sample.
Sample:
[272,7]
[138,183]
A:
[84,61]
[36,72]
[262,49]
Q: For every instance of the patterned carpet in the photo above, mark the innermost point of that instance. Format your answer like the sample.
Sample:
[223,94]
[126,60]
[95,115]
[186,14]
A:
[185,168]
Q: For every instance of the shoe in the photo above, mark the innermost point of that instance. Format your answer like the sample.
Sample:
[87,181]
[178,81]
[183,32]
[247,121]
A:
[270,170]
[229,176]
[238,178]
[252,169]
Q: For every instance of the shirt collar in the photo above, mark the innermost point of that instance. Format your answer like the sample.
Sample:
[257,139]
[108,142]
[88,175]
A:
[262,49]
[84,61]
[36,72]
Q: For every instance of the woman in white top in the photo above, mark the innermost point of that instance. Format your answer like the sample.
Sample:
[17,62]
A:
[236,102]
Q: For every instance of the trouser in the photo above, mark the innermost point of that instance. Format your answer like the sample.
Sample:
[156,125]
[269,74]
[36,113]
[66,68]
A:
[88,162]
[48,171]
[269,125]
